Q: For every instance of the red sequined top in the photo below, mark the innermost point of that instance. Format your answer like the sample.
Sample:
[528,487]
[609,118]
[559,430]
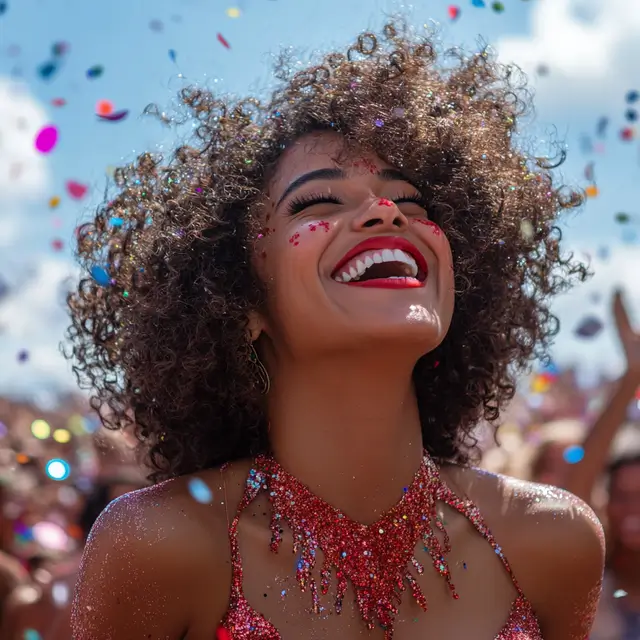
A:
[243,622]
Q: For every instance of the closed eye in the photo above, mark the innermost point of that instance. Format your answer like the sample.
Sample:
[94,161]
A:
[303,202]
[416,198]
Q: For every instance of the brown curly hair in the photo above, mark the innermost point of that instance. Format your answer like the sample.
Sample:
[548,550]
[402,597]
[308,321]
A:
[159,333]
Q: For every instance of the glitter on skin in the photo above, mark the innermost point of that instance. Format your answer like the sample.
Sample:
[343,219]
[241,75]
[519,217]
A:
[390,544]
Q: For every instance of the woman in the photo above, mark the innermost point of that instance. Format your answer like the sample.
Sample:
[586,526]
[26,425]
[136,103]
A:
[276,311]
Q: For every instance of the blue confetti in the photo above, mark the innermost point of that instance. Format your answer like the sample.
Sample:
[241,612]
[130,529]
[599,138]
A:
[31,634]
[172,55]
[199,491]
[573,454]
[478,3]
[116,222]
[100,275]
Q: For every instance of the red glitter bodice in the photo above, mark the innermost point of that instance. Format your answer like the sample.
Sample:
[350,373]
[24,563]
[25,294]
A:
[380,574]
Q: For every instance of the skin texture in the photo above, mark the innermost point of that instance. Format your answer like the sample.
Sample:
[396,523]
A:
[361,378]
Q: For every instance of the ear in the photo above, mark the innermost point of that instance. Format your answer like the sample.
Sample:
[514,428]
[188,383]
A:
[256,324]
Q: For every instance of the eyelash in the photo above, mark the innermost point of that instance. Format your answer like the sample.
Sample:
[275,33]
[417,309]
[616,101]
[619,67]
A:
[302,202]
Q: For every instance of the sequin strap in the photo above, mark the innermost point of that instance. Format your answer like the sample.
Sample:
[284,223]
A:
[469,510]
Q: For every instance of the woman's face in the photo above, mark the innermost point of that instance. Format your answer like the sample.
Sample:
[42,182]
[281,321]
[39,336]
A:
[350,256]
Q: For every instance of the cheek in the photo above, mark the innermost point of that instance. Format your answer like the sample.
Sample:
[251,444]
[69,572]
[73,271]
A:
[438,240]
[308,232]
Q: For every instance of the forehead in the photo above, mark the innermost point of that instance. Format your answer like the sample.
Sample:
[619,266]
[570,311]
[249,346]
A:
[627,478]
[320,150]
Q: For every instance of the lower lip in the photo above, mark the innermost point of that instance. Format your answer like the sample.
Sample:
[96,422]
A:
[388,283]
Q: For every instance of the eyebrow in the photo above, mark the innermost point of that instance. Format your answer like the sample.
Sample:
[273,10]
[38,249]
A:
[388,175]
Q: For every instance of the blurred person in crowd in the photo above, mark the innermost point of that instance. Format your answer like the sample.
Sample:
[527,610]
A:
[618,615]
[43,604]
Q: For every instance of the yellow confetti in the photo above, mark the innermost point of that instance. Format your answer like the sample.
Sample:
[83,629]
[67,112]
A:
[233,12]
[592,191]
[54,202]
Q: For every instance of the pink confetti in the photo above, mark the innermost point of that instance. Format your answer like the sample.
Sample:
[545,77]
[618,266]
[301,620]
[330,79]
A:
[76,190]
[116,116]
[46,139]
[222,40]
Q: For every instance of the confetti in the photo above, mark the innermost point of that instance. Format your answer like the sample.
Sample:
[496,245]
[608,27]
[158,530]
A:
[199,491]
[104,107]
[172,55]
[233,12]
[478,3]
[631,115]
[31,634]
[498,7]
[100,275]
[627,134]
[23,355]
[223,41]
[592,191]
[54,202]
[601,128]
[590,327]
[47,70]
[620,593]
[57,244]
[573,454]
[632,96]
[114,117]
[156,25]
[95,71]
[59,49]
[3,8]
[58,102]
[454,12]
[623,218]
[589,173]
[76,190]
[46,139]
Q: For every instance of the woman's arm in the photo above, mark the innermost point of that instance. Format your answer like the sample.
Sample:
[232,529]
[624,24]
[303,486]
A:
[582,477]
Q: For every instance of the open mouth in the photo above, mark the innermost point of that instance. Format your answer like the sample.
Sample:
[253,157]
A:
[392,262]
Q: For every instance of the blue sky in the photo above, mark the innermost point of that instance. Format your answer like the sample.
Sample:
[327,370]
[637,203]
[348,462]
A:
[590,47]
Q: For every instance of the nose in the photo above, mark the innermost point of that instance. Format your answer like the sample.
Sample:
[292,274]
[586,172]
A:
[382,214]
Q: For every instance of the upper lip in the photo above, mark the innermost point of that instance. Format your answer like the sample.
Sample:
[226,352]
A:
[384,242]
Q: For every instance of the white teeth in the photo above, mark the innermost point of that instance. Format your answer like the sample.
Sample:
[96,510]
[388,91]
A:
[357,266]
[387,255]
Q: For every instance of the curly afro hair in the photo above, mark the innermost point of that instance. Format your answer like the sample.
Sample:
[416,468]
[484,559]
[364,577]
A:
[159,328]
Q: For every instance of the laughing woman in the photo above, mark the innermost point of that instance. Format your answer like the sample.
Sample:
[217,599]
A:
[306,313]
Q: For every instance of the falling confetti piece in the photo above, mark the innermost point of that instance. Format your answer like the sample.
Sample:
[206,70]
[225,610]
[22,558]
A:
[116,116]
[57,244]
[601,127]
[498,7]
[622,217]
[172,55]
[54,202]
[454,12]
[199,491]
[46,139]
[156,25]
[478,3]
[592,191]
[60,49]
[58,102]
[589,327]
[627,134]
[100,275]
[573,454]
[104,107]
[589,172]
[76,190]
[47,70]
[631,115]
[116,222]
[632,96]
[3,8]
[223,41]
[23,355]
[542,70]
[619,593]
[32,634]
[95,71]
[233,12]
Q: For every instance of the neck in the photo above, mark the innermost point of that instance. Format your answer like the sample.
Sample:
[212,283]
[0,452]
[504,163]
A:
[349,429]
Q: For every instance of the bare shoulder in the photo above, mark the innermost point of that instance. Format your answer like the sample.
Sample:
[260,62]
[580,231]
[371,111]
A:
[157,559]
[553,540]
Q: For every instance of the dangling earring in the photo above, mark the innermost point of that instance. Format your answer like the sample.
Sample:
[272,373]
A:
[263,374]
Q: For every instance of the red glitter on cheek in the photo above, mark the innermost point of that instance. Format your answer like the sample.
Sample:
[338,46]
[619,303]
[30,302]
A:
[429,223]
[321,224]
[295,239]
[383,202]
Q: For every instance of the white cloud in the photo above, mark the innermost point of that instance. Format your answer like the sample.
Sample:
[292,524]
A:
[24,173]
[34,318]
[602,353]
[590,47]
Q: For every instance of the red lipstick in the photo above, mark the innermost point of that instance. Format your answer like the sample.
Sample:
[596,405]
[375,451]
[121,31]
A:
[384,242]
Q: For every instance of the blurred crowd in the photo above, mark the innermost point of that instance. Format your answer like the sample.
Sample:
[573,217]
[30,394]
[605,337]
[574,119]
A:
[59,469]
